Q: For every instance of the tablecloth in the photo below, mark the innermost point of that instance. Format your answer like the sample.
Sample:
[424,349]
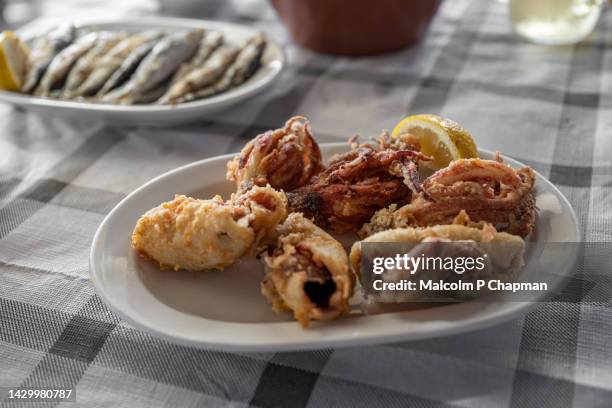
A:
[549,107]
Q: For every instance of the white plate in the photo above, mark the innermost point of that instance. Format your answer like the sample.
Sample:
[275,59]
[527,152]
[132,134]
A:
[273,62]
[225,310]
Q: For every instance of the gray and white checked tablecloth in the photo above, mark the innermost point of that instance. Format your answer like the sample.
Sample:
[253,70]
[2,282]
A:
[549,107]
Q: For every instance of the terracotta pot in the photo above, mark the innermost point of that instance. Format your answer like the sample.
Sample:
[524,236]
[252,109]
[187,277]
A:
[356,27]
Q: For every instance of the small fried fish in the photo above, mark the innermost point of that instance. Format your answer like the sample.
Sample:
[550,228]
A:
[248,61]
[163,60]
[63,62]
[127,68]
[44,50]
[246,64]
[83,68]
[211,41]
[199,78]
[113,60]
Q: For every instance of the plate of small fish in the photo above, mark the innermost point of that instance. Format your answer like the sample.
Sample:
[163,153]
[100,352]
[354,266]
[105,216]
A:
[261,250]
[154,71]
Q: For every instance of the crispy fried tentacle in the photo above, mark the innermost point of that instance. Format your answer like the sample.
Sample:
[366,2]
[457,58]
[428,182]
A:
[355,185]
[285,158]
[487,190]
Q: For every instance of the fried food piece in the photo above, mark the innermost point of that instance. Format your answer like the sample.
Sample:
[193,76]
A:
[44,50]
[307,272]
[157,66]
[187,233]
[113,61]
[355,185]
[62,63]
[285,158]
[487,190]
[244,67]
[84,66]
[503,256]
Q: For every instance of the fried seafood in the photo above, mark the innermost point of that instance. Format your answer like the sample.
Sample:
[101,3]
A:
[192,234]
[487,190]
[501,254]
[127,68]
[43,51]
[307,272]
[210,71]
[62,63]
[285,158]
[89,65]
[209,43]
[244,67]
[84,66]
[158,66]
[113,60]
[357,184]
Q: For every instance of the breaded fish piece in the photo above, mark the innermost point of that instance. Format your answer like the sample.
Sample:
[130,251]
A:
[307,272]
[192,234]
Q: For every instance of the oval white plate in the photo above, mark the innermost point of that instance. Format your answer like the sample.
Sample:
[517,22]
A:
[273,62]
[225,310]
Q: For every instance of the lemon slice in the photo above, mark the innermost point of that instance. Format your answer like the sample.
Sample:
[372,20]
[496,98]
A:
[13,61]
[442,139]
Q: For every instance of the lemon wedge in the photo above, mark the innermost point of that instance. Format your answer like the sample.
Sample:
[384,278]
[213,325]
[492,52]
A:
[13,61]
[442,139]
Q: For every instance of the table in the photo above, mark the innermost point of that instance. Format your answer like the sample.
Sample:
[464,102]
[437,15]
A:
[548,107]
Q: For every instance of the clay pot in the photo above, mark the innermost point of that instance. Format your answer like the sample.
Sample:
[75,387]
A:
[356,27]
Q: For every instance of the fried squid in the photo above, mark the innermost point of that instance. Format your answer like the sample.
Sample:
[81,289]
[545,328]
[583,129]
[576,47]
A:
[487,190]
[192,234]
[307,272]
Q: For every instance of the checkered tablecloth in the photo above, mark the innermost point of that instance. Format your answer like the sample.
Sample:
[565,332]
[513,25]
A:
[548,107]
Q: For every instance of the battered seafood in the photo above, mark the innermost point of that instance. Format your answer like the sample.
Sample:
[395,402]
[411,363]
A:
[307,272]
[357,184]
[286,158]
[487,190]
[192,234]
[500,252]
[286,197]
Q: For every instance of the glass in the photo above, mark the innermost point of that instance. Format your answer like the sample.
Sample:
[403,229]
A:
[554,22]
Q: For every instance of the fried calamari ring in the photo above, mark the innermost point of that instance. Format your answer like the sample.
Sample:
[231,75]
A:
[307,272]
[503,256]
